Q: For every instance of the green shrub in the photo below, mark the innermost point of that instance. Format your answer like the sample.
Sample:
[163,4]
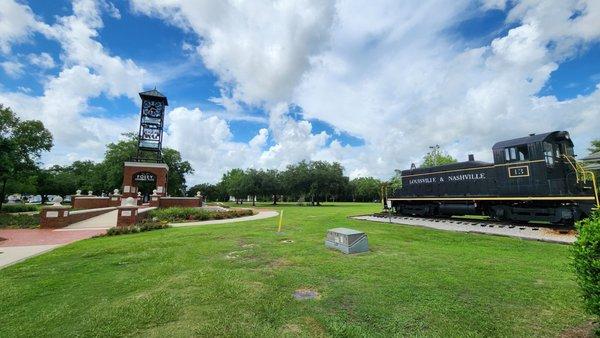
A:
[180,214]
[177,214]
[145,225]
[19,221]
[586,261]
[19,207]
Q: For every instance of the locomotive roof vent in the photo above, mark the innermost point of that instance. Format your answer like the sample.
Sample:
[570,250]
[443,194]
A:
[471,157]
[532,134]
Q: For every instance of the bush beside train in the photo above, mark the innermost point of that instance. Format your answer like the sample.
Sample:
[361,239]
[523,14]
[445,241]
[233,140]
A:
[533,178]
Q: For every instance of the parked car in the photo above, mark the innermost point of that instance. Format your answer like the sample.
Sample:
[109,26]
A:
[37,199]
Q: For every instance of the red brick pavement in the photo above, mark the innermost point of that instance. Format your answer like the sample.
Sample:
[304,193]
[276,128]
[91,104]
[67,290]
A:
[26,237]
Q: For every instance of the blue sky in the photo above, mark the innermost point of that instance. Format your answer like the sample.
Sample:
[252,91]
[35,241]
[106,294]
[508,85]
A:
[253,84]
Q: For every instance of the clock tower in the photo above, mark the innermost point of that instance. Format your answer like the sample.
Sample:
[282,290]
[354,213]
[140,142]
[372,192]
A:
[151,124]
[147,169]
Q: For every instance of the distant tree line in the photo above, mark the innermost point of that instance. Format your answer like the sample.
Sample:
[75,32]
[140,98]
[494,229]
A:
[312,182]
[99,177]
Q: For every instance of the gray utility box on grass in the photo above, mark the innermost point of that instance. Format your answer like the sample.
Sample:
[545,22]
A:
[347,240]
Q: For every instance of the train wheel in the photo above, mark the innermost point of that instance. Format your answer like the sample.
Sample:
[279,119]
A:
[498,213]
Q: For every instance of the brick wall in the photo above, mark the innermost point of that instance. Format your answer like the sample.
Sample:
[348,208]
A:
[60,217]
[167,202]
[91,202]
[54,217]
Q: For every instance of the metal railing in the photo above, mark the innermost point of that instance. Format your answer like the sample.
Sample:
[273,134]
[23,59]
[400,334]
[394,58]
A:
[582,175]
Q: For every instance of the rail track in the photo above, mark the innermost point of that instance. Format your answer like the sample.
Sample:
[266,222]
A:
[563,229]
[540,232]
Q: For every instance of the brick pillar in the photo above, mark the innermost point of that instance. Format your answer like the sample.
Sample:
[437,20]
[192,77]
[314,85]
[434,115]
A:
[115,200]
[53,217]
[154,200]
[127,215]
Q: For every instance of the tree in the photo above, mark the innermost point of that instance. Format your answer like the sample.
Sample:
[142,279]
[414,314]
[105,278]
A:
[436,157]
[396,181]
[325,179]
[595,146]
[271,183]
[317,180]
[253,183]
[206,189]
[365,189]
[178,168]
[21,145]
[236,184]
[57,180]
[296,180]
[84,175]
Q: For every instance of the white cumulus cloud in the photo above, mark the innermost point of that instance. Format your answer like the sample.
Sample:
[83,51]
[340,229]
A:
[395,74]
[42,60]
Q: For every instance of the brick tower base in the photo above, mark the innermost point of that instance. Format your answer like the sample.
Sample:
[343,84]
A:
[132,169]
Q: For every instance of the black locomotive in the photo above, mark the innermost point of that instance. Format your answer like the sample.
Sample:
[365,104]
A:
[533,178]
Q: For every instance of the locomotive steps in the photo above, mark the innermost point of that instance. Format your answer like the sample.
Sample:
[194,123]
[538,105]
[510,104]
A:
[524,231]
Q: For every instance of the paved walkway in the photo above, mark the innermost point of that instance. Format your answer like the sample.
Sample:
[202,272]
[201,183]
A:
[101,222]
[262,214]
[15,254]
[21,244]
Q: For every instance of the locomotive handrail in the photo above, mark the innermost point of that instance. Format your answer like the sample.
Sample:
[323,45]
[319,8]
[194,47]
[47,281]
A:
[595,189]
[580,169]
[575,168]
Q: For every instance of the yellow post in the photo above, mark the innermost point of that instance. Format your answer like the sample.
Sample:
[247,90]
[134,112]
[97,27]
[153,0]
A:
[280,220]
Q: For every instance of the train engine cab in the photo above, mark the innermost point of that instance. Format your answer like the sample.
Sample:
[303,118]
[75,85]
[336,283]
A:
[533,178]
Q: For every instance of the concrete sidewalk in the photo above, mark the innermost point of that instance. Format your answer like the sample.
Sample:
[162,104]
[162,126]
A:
[261,215]
[104,221]
[15,254]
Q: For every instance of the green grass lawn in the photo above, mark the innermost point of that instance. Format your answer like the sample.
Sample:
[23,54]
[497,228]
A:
[237,280]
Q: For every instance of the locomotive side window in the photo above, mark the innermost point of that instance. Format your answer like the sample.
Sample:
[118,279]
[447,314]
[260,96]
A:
[549,153]
[570,151]
[515,154]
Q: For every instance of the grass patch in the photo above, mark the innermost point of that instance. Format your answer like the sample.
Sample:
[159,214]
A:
[238,279]
[14,221]
[195,214]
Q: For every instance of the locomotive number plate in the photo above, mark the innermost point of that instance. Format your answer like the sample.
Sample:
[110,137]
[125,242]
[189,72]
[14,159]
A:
[520,171]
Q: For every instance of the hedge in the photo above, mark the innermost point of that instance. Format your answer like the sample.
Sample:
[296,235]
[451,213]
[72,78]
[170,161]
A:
[195,214]
[586,261]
